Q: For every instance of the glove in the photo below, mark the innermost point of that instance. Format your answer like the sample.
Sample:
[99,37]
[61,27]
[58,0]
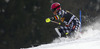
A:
[47,20]
[66,33]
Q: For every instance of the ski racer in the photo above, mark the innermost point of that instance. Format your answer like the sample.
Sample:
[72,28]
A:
[71,22]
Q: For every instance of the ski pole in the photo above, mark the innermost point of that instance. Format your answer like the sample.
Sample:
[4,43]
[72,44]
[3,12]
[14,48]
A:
[56,22]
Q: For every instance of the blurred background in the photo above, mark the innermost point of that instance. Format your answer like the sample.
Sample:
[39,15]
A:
[22,22]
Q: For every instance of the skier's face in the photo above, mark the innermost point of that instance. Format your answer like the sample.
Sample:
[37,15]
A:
[55,12]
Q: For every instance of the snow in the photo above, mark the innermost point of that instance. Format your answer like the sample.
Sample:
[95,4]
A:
[51,1]
[3,10]
[98,0]
[90,39]
[35,8]
[7,1]
[97,7]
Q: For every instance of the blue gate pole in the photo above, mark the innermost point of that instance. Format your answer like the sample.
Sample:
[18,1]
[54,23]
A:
[80,20]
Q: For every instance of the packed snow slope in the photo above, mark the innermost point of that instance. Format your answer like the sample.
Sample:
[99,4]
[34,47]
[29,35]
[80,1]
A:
[90,39]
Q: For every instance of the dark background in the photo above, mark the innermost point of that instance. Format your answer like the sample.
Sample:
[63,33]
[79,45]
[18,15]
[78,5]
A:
[22,22]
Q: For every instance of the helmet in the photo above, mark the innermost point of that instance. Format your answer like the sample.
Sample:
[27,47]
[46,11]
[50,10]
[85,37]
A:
[55,6]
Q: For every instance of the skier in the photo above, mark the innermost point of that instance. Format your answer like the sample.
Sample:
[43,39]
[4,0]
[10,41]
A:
[71,22]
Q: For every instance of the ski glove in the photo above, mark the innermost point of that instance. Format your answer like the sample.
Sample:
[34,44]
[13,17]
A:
[47,20]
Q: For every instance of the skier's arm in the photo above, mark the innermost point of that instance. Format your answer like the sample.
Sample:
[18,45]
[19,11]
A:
[52,20]
[49,19]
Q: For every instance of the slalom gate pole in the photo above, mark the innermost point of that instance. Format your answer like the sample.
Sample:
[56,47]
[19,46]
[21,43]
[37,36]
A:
[80,20]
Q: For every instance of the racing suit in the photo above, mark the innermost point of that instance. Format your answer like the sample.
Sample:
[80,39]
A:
[71,22]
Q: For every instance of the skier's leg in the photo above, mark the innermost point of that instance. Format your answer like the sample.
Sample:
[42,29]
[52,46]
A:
[58,32]
[62,30]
